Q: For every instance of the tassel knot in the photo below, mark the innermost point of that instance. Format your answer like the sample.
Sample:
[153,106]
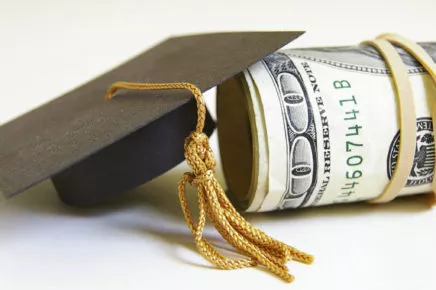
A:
[213,203]
[198,153]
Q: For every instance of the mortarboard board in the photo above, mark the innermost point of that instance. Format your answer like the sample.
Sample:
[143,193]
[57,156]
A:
[93,149]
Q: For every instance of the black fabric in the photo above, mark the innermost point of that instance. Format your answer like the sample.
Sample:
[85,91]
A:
[95,149]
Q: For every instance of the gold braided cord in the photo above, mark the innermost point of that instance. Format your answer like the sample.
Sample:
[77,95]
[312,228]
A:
[213,203]
[201,107]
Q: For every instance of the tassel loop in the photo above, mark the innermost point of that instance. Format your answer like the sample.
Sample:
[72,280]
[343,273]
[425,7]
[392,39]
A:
[213,203]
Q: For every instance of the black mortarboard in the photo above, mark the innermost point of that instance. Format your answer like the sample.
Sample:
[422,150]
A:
[94,149]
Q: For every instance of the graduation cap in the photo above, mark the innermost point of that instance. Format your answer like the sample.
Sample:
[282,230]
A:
[93,149]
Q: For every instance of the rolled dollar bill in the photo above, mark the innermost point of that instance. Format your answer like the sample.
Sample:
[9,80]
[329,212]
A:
[319,126]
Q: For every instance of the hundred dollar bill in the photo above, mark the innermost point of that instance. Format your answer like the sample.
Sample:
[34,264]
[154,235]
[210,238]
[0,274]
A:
[323,126]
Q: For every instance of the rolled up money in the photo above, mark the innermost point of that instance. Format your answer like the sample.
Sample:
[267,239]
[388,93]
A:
[320,126]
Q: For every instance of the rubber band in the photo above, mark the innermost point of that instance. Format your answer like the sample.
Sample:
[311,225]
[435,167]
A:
[430,66]
[407,117]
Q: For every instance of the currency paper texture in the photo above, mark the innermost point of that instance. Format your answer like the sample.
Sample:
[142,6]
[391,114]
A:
[325,128]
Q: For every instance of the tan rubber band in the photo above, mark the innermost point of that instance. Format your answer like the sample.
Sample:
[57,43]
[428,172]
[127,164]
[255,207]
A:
[427,62]
[407,116]
[260,248]
[415,50]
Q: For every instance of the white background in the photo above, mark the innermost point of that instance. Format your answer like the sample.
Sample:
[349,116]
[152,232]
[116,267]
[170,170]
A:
[141,241]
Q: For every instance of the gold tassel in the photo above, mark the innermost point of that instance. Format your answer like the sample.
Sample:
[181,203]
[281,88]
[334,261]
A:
[213,203]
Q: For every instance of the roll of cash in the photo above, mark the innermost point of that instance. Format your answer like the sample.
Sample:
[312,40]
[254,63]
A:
[318,126]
